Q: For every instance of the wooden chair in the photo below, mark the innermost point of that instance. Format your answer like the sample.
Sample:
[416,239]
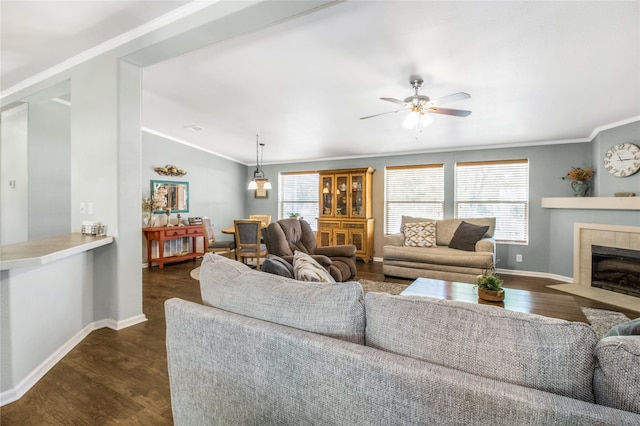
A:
[248,236]
[211,245]
[264,218]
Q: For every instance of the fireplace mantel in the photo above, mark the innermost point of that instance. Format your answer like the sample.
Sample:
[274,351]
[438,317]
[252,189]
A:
[592,203]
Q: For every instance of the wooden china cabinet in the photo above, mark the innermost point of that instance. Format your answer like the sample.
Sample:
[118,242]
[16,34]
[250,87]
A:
[345,210]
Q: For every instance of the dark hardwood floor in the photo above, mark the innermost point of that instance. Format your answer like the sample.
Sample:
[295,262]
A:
[120,377]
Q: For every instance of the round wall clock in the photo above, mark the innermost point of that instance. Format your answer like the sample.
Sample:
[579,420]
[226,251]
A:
[622,160]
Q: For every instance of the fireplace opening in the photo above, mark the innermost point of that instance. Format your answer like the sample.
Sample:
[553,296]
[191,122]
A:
[616,269]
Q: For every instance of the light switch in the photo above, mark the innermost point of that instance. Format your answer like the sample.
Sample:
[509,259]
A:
[90,207]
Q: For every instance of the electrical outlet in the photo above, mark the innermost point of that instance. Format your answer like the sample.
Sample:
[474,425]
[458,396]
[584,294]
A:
[82,207]
[518,258]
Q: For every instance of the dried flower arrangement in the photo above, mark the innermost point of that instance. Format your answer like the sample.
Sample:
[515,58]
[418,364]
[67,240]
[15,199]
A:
[576,173]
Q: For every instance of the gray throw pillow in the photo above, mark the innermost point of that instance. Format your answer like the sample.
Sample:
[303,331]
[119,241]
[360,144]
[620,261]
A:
[278,266]
[627,328]
[467,235]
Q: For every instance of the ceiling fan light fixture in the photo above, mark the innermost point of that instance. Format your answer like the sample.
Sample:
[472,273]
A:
[412,119]
[425,120]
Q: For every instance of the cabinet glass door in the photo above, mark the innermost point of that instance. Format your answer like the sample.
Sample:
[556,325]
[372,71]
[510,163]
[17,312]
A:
[327,193]
[357,195]
[342,195]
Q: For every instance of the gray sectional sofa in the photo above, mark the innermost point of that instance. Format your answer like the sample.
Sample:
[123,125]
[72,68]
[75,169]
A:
[441,262]
[266,349]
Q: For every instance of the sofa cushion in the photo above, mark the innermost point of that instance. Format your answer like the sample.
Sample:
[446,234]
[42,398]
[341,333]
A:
[616,380]
[419,257]
[332,310]
[305,268]
[420,234]
[467,235]
[525,349]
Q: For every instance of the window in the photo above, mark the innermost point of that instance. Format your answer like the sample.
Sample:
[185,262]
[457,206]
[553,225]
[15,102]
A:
[497,189]
[413,191]
[299,194]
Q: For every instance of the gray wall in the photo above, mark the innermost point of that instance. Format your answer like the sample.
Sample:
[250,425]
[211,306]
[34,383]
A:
[214,182]
[550,249]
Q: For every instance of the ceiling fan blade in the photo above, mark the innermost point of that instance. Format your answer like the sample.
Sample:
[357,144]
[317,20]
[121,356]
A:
[449,111]
[383,113]
[450,98]
[395,101]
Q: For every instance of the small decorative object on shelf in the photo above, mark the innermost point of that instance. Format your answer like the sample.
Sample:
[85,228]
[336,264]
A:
[168,213]
[489,286]
[149,205]
[580,180]
[170,170]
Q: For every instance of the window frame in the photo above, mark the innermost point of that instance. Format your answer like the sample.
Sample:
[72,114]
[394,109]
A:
[312,219]
[521,235]
[392,219]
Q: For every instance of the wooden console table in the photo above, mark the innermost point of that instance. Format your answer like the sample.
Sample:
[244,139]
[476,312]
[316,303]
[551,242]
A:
[168,233]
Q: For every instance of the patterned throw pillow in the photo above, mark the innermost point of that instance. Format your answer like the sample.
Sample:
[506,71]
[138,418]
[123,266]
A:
[420,234]
[305,268]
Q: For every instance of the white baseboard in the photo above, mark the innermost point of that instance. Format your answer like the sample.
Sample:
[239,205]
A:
[534,274]
[32,378]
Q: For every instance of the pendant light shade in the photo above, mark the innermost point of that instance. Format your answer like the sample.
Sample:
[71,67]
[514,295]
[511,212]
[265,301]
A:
[259,181]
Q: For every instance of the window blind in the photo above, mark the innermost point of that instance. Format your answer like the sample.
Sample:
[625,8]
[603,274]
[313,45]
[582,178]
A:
[299,194]
[497,189]
[413,191]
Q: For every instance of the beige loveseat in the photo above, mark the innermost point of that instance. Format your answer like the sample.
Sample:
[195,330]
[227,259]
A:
[440,262]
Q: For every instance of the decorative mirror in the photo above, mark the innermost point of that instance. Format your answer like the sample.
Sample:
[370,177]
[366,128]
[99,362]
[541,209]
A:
[175,195]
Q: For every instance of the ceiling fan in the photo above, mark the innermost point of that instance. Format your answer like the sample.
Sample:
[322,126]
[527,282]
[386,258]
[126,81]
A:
[419,105]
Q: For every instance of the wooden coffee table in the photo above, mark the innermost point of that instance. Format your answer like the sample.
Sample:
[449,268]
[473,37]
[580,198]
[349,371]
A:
[546,304]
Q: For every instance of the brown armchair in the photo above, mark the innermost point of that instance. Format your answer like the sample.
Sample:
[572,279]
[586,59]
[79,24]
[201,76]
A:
[285,236]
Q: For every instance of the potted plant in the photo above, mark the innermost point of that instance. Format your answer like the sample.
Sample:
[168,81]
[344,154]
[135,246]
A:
[489,286]
[293,215]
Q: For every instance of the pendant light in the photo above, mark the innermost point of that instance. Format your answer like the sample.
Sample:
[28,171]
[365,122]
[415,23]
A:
[258,174]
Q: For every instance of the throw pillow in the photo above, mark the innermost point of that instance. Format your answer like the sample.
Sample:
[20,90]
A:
[305,268]
[467,235]
[627,328]
[277,266]
[420,234]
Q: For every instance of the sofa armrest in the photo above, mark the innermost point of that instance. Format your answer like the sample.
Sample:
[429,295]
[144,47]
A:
[336,251]
[393,240]
[486,245]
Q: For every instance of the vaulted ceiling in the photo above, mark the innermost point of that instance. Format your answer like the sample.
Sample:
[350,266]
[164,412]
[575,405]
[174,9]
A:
[537,72]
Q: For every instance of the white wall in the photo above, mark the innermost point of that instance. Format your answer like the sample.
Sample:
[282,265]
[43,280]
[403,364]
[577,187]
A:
[49,170]
[14,199]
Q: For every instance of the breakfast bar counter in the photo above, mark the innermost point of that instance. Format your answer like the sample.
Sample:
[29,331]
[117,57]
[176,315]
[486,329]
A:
[46,250]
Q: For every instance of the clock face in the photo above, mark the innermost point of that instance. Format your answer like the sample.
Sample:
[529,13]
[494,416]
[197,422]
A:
[622,160]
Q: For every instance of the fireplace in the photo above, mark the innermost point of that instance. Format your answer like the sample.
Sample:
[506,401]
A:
[616,269]
[588,235]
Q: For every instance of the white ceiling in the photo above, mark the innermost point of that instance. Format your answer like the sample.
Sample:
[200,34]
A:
[537,72]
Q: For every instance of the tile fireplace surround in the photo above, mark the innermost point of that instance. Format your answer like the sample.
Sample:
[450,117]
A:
[584,236]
